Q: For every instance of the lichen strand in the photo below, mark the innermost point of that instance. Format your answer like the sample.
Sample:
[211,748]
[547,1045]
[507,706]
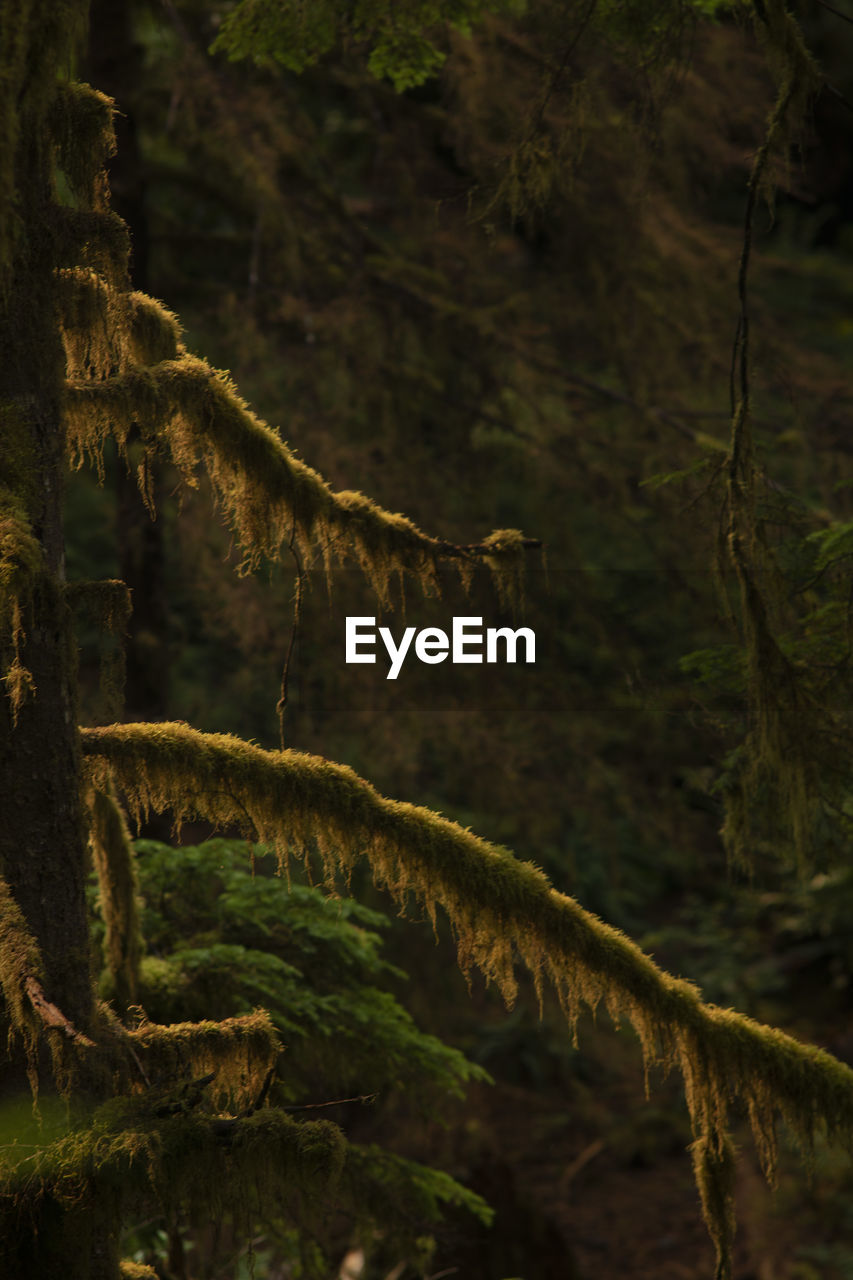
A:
[115,864]
[500,909]
[133,1157]
[269,495]
[20,563]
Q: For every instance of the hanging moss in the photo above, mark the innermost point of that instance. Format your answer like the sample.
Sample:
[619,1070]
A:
[95,239]
[267,493]
[714,1169]
[239,1052]
[104,330]
[133,1157]
[115,864]
[500,910]
[81,123]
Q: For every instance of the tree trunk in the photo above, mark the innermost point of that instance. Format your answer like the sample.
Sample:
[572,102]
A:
[42,841]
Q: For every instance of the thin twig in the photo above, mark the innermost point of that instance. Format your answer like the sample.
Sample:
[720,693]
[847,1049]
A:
[335,1102]
[831,8]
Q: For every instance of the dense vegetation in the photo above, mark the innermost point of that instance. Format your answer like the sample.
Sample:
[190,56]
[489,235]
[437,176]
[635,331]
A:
[580,271]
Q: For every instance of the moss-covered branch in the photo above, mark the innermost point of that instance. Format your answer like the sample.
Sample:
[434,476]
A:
[500,909]
[115,864]
[269,496]
[133,1158]
[82,126]
[94,238]
[239,1052]
[106,330]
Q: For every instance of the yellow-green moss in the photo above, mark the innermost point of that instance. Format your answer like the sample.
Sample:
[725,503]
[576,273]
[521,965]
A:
[94,239]
[81,122]
[239,1051]
[115,864]
[105,330]
[268,495]
[501,910]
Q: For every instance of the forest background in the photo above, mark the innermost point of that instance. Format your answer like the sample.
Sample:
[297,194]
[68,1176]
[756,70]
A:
[506,298]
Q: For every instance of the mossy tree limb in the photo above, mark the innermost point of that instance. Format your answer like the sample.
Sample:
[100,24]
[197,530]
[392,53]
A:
[501,910]
[133,1158]
[115,864]
[194,414]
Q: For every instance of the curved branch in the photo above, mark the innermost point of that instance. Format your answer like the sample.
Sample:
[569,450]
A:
[268,494]
[500,909]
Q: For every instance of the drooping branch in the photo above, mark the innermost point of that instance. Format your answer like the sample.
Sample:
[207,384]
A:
[238,1052]
[134,1158]
[500,910]
[193,413]
[81,122]
[105,330]
[115,864]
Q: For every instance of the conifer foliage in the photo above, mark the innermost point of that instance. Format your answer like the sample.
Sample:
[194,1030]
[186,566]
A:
[179,1114]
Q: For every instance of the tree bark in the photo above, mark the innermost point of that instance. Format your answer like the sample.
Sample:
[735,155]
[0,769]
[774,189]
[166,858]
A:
[42,837]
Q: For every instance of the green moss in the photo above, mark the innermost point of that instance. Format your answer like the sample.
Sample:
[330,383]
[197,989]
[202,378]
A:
[136,1155]
[81,122]
[97,240]
[115,864]
[500,910]
[267,494]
